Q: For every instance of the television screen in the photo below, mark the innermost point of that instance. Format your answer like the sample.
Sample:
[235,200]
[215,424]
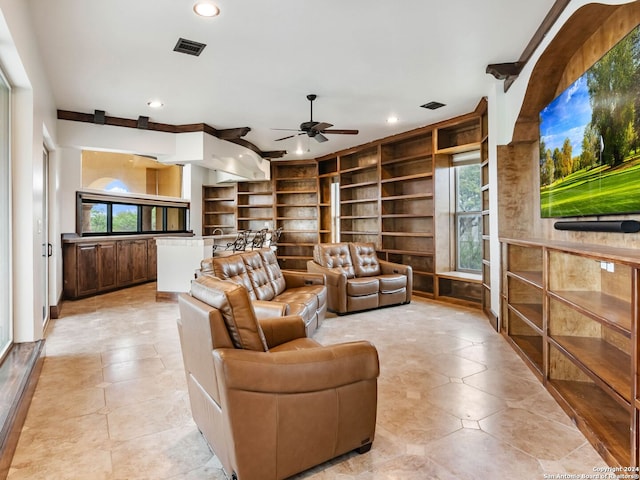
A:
[590,139]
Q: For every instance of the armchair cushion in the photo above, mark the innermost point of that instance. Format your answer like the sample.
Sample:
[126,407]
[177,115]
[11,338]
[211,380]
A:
[233,302]
[259,276]
[357,287]
[365,260]
[229,268]
[273,270]
[392,282]
[336,257]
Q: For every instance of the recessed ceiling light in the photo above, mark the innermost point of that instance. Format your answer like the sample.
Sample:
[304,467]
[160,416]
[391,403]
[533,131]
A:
[206,9]
[299,151]
[392,119]
[155,104]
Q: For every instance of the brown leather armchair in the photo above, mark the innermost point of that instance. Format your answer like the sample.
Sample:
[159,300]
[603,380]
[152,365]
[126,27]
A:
[270,401]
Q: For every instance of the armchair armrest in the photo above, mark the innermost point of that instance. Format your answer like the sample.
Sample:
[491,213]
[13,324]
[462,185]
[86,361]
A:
[282,329]
[336,286]
[297,371]
[302,279]
[269,309]
[332,277]
[390,267]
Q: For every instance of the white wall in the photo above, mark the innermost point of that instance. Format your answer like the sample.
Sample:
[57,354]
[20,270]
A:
[33,113]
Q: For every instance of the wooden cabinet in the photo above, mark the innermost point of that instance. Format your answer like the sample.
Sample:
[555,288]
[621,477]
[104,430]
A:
[106,269]
[86,282]
[296,193]
[152,259]
[218,208]
[92,266]
[572,314]
[131,261]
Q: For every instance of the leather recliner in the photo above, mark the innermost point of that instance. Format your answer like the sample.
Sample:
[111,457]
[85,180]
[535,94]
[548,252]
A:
[357,279]
[270,401]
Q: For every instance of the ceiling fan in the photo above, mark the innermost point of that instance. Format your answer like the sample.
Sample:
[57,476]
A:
[315,129]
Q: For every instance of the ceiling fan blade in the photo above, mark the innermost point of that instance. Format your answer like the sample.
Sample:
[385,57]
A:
[320,127]
[320,137]
[341,132]
[289,136]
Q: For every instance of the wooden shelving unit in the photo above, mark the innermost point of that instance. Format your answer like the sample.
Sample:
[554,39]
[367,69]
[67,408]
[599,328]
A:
[296,194]
[327,176]
[360,196]
[219,208]
[486,227]
[466,134]
[460,136]
[383,192]
[572,315]
[406,195]
[255,205]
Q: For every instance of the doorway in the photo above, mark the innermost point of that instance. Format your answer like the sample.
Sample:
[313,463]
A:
[46,245]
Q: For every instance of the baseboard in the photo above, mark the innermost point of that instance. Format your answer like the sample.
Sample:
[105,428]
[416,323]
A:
[171,297]
[19,373]
[54,311]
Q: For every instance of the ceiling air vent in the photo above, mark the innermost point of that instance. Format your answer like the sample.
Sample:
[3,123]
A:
[189,47]
[432,105]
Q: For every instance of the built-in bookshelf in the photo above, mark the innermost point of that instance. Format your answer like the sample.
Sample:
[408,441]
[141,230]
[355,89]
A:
[406,194]
[572,315]
[486,218]
[360,196]
[383,192]
[255,205]
[327,178]
[459,136]
[219,208]
[296,193]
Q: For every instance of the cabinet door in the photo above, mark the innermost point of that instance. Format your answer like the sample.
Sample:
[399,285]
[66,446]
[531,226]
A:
[106,256]
[138,261]
[152,259]
[87,269]
[124,262]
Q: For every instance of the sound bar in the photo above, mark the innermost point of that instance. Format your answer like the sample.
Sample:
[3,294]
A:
[619,226]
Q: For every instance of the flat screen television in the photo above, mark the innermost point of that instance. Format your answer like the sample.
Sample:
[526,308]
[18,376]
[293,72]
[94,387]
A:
[590,139]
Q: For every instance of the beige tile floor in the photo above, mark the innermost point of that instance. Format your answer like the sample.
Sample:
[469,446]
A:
[455,401]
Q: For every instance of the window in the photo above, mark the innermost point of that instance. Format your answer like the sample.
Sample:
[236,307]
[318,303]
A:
[468,213]
[124,218]
[102,214]
[6,327]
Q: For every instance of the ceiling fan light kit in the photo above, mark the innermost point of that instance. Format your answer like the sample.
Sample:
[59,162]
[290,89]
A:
[313,129]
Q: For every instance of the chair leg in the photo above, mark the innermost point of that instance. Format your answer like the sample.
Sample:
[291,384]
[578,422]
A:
[364,448]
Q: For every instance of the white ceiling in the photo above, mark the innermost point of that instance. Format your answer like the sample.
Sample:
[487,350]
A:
[366,60]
